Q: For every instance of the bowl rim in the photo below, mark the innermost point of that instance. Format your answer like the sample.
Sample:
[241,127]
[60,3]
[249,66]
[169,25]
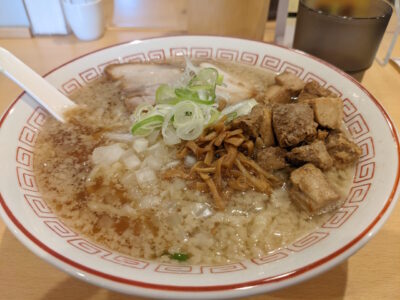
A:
[55,258]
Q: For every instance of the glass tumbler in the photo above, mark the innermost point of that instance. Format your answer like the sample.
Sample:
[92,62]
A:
[349,42]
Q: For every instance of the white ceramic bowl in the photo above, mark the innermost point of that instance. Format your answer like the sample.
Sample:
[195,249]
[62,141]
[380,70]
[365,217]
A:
[370,200]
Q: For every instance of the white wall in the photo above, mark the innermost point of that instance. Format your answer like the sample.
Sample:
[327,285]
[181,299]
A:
[13,14]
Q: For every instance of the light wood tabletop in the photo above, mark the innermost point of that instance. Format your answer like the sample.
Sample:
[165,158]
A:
[372,273]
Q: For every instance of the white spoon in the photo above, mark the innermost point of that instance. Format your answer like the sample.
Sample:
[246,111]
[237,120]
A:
[42,91]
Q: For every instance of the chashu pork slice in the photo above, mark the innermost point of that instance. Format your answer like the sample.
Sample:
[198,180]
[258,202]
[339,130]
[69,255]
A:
[137,76]
[139,82]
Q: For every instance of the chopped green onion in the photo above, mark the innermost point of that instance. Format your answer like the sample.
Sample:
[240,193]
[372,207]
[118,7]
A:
[186,112]
[204,83]
[214,116]
[146,126]
[187,94]
[241,108]
[179,256]
[231,116]
[220,79]
[143,109]
[211,114]
[190,131]
[182,113]
[165,94]
[168,131]
[205,78]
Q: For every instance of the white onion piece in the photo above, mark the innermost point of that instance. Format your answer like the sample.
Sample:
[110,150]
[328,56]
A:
[131,161]
[119,137]
[201,210]
[145,176]
[140,145]
[190,160]
[107,155]
[149,201]
[170,165]
[154,147]
[154,163]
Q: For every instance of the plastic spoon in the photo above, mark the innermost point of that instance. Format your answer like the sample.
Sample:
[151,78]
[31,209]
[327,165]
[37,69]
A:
[42,91]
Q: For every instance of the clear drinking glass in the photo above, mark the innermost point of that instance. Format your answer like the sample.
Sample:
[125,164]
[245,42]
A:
[348,42]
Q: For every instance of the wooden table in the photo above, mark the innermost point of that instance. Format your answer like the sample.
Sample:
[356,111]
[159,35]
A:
[372,273]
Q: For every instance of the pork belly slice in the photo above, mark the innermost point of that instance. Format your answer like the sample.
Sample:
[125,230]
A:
[343,151]
[314,153]
[271,158]
[312,90]
[257,124]
[139,82]
[293,123]
[311,190]
[277,94]
[290,81]
[135,77]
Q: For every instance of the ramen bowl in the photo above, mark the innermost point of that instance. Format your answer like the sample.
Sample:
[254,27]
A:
[369,202]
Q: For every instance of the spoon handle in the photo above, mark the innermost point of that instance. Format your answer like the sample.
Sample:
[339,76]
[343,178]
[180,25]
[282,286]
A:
[42,91]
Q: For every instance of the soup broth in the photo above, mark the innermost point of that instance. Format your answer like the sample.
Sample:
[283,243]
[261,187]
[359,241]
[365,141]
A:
[127,206]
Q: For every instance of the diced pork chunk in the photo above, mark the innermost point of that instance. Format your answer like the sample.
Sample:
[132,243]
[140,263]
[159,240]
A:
[259,144]
[266,131]
[290,81]
[322,134]
[311,190]
[272,158]
[343,151]
[312,90]
[315,153]
[257,124]
[293,124]
[328,112]
[250,124]
[277,94]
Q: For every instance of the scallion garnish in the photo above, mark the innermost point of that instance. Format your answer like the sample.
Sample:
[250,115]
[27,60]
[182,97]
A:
[183,112]
[179,256]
